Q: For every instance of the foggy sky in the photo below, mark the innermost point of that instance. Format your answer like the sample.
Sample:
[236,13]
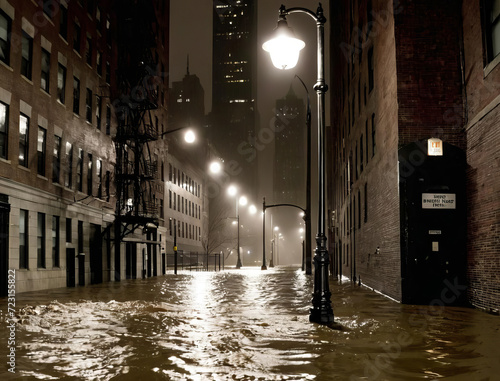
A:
[191,33]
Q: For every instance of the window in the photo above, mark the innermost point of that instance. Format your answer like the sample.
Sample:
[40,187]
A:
[88,50]
[48,8]
[23,239]
[366,134]
[108,30]
[41,150]
[26,55]
[108,120]
[79,171]
[55,241]
[90,7]
[76,36]
[40,240]
[45,77]
[4,129]
[23,139]
[98,165]
[63,22]
[76,95]
[108,72]
[90,175]
[108,181]
[366,202]
[370,69]
[170,199]
[61,83]
[359,209]
[80,236]
[373,135]
[88,106]
[491,22]
[98,18]
[56,160]
[99,62]
[98,111]
[5,32]
[68,175]
[356,172]
[361,148]
[69,232]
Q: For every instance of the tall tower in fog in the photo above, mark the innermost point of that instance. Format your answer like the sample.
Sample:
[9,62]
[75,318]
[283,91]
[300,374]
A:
[234,78]
[290,152]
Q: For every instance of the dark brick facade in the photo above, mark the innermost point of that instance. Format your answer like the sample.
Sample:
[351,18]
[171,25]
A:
[483,139]
[403,71]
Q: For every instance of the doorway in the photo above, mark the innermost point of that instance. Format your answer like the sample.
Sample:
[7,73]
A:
[433,224]
[70,267]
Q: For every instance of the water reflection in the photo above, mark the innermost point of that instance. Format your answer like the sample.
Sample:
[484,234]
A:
[243,324]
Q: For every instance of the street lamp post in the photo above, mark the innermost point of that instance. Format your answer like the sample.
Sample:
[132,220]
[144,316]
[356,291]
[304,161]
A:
[322,311]
[232,192]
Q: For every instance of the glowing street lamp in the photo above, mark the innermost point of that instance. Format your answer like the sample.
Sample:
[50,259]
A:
[321,311]
[284,48]
[215,167]
[189,136]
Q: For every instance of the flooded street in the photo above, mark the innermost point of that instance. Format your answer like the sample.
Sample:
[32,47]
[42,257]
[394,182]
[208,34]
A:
[243,324]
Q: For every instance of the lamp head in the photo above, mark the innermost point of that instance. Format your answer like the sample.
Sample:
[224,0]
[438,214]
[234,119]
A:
[284,47]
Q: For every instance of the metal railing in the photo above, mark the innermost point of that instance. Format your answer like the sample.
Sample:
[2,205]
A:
[195,261]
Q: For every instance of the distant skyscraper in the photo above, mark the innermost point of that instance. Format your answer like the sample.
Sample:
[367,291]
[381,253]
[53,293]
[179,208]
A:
[290,151]
[233,88]
[187,102]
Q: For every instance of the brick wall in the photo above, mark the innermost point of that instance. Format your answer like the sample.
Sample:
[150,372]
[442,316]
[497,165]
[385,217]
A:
[428,68]
[360,111]
[483,174]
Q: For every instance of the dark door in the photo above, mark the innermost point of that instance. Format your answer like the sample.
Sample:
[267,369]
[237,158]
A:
[131,261]
[433,225]
[4,244]
[95,245]
[81,269]
[163,263]
[70,267]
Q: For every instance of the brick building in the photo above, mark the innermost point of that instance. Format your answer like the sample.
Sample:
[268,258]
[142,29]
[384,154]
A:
[69,163]
[410,222]
[57,153]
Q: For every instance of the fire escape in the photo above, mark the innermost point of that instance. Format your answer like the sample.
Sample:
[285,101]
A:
[137,93]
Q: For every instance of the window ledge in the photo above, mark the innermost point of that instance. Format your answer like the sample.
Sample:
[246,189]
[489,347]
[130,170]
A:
[492,65]
[42,177]
[6,66]
[23,168]
[64,40]
[2,160]
[27,79]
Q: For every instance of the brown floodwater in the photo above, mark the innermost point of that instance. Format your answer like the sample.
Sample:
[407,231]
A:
[243,324]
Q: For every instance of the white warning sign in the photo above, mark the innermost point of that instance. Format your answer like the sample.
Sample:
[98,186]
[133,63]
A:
[438,201]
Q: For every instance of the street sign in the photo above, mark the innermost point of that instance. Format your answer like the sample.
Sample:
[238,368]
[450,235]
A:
[438,201]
